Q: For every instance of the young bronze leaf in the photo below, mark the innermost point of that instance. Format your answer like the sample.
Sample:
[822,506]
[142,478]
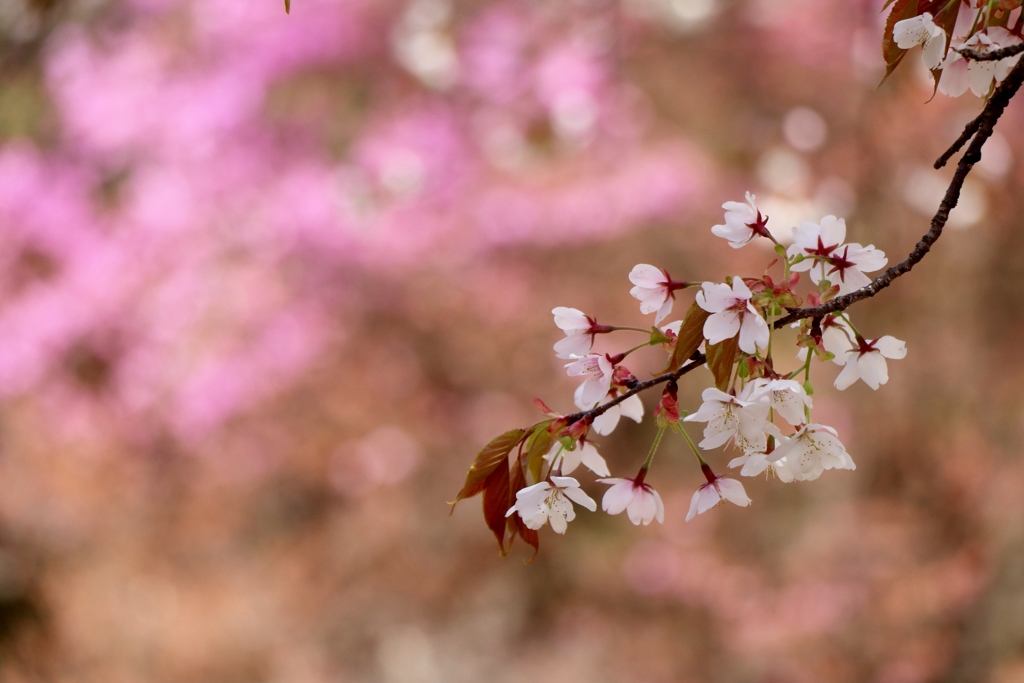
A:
[515,522]
[287,6]
[496,504]
[721,357]
[893,54]
[487,460]
[691,334]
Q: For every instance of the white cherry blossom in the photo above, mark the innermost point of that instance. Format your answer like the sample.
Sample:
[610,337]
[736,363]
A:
[551,500]
[585,453]
[654,289]
[578,335]
[836,337]
[812,450]
[922,30]
[715,492]
[641,502]
[605,423]
[866,361]
[599,372]
[755,463]
[787,397]
[827,257]
[743,222]
[734,419]
[732,313]
[959,73]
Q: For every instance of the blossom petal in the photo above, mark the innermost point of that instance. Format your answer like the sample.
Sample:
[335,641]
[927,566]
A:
[618,496]
[721,326]
[593,460]
[647,276]
[569,319]
[891,347]
[733,492]
[605,423]
[633,408]
[848,376]
[576,495]
[573,345]
[659,507]
[872,369]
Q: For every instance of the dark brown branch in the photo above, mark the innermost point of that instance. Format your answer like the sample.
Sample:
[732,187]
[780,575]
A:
[969,130]
[981,128]
[1001,53]
[698,360]
[986,121]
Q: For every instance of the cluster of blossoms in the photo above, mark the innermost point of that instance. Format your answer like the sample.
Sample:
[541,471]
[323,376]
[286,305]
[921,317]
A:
[948,29]
[760,413]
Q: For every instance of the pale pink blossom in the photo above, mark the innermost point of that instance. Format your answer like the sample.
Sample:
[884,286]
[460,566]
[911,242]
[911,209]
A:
[922,30]
[743,222]
[584,453]
[755,463]
[599,372]
[959,73]
[654,289]
[836,337]
[810,451]
[605,423]
[641,502]
[715,492]
[826,257]
[551,500]
[579,331]
[732,314]
[866,361]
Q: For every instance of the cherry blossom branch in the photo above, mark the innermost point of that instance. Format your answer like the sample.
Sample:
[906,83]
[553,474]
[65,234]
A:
[994,55]
[980,129]
[698,359]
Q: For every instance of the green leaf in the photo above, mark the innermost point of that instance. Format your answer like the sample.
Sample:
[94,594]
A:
[496,504]
[691,334]
[721,357]
[487,460]
[537,446]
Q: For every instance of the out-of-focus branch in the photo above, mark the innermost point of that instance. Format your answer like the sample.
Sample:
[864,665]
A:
[980,129]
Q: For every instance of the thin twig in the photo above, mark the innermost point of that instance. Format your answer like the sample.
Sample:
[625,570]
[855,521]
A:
[981,128]
[969,130]
[1001,53]
[986,122]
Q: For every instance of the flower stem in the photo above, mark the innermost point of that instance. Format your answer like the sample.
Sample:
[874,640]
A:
[654,447]
[693,447]
[615,328]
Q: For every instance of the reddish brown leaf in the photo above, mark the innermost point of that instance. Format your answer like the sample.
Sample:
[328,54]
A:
[487,460]
[496,504]
[529,536]
[721,357]
[691,334]
[515,523]
[893,54]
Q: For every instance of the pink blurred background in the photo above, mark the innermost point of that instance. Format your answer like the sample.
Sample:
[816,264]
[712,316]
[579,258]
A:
[269,281]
